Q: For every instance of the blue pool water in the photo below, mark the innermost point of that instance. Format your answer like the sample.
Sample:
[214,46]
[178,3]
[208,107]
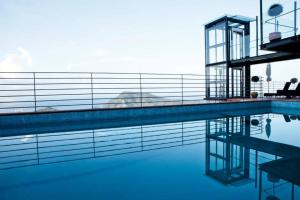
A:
[180,160]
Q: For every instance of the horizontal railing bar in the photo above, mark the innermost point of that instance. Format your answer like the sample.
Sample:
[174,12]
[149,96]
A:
[19,90]
[283,14]
[17,144]
[66,150]
[162,143]
[88,73]
[66,139]
[18,161]
[102,83]
[66,155]
[118,139]
[128,88]
[159,139]
[95,93]
[64,145]
[88,99]
[14,150]
[19,155]
[18,107]
[110,145]
[65,134]
[105,78]
[8,138]
[118,129]
[118,149]
[193,139]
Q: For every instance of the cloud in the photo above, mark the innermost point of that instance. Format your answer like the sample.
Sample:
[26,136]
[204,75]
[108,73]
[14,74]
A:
[16,62]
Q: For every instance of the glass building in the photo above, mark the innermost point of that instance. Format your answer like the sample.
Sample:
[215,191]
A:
[227,39]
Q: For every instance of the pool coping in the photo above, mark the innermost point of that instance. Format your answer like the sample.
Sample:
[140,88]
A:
[112,118]
[128,108]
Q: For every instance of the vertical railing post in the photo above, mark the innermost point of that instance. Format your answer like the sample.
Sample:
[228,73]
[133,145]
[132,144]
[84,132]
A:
[141,91]
[256,36]
[181,89]
[92,91]
[261,23]
[295,18]
[261,87]
[34,91]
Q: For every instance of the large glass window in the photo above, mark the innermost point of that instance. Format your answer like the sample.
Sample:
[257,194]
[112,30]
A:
[216,44]
[216,81]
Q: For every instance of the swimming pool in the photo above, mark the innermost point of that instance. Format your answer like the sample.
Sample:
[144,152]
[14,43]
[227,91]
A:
[185,159]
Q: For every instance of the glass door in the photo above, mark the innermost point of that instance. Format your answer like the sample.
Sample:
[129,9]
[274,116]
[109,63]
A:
[236,82]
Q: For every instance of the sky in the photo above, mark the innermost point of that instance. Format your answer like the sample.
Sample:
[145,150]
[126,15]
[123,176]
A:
[155,36]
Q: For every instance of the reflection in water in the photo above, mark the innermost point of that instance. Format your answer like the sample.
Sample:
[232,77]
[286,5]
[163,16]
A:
[48,148]
[229,143]
[233,153]
[225,161]
[268,127]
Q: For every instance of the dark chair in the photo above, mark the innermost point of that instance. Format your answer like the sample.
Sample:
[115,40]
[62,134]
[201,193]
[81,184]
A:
[294,93]
[287,118]
[283,92]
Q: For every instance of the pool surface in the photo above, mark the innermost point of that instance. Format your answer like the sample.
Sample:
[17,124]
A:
[198,159]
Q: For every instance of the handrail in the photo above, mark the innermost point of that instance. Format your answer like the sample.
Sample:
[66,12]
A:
[51,91]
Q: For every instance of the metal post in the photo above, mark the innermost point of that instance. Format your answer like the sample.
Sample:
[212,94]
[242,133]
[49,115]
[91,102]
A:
[34,91]
[92,91]
[227,56]
[247,81]
[181,89]
[141,91]
[295,18]
[261,24]
[256,35]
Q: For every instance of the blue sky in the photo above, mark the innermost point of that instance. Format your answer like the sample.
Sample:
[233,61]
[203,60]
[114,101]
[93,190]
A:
[163,36]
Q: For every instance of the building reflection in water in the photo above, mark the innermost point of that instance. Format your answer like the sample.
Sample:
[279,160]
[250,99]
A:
[225,161]
[234,156]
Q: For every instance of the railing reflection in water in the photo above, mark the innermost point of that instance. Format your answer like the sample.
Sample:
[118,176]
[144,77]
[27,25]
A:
[48,148]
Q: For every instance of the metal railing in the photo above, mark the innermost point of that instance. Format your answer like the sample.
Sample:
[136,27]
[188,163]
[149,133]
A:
[27,92]
[53,91]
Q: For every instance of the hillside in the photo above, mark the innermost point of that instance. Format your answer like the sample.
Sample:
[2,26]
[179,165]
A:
[132,99]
